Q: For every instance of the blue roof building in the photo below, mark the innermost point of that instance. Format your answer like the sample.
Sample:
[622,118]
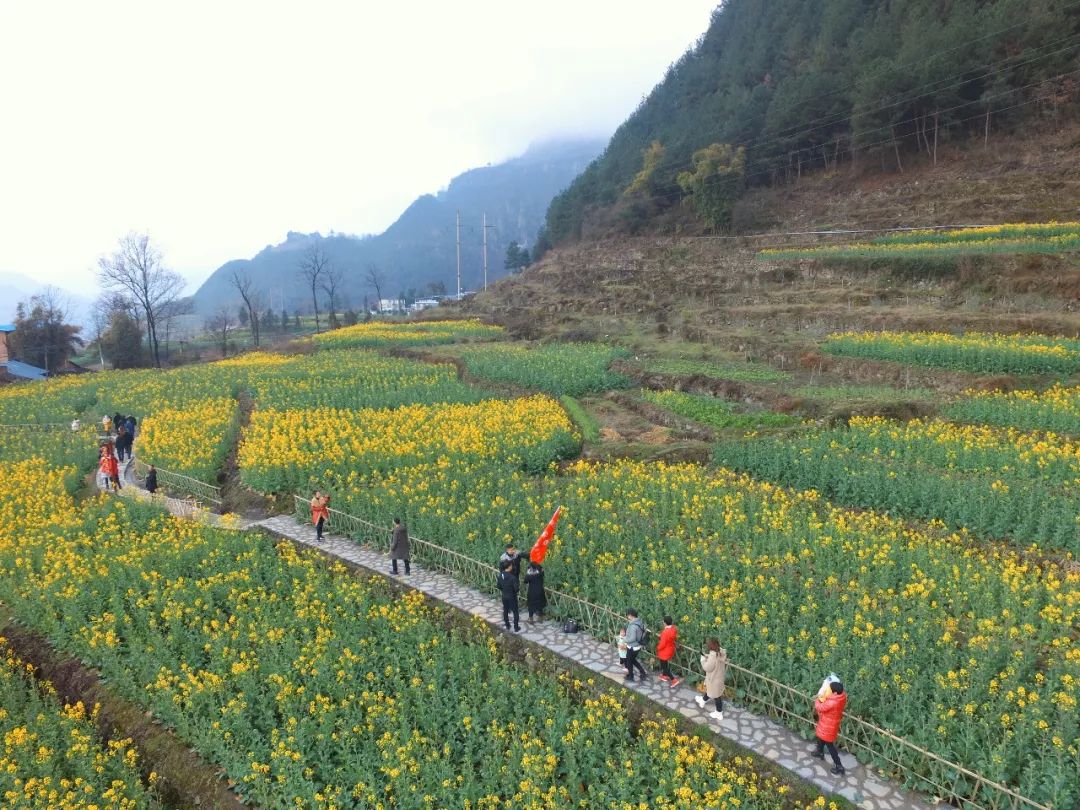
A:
[15,369]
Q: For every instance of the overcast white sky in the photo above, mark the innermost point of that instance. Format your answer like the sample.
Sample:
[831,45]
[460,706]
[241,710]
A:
[218,126]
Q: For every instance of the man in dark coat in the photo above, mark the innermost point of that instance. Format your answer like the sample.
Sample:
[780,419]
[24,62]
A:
[535,598]
[399,546]
[509,585]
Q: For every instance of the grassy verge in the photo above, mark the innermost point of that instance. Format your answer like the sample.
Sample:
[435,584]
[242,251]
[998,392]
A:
[589,427]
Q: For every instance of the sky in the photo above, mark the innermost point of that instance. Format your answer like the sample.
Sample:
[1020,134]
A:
[216,127]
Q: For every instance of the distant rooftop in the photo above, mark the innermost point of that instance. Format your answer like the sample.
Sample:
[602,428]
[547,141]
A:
[24,370]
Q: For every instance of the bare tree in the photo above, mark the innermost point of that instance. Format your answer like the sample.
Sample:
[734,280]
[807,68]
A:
[331,282]
[251,299]
[218,324]
[313,268]
[169,313]
[375,279]
[136,269]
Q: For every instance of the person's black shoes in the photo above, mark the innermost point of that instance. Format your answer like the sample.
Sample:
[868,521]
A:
[838,771]
[818,754]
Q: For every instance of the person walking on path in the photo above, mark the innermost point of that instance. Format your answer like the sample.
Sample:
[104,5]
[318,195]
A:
[129,424]
[399,546]
[151,479]
[106,424]
[512,556]
[535,598]
[510,587]
[635,638]
[829,707]
[714,664]
[114,471]
[620,644]
[123,445]
[320,513]
[103,467]
[665,651]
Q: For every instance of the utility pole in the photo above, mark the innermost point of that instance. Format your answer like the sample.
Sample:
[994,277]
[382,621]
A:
[485,250]
[459,254]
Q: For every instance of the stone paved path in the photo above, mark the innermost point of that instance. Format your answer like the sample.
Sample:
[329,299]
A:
[761,735]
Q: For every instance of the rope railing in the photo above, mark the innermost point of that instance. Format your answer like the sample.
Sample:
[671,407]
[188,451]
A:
[899,758]
[183,483]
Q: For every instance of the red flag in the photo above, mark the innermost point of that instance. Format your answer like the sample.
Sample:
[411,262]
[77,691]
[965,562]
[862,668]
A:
[539,550]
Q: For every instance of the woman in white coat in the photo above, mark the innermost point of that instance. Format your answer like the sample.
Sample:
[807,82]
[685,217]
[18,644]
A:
[714,664]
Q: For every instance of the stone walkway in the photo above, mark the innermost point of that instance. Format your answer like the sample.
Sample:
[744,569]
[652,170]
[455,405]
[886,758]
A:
[761,735]
[860,785]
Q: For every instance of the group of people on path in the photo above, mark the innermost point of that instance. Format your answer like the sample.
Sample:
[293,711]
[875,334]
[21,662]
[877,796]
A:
[509,582]
[399,535]
[116,446]
[828,706]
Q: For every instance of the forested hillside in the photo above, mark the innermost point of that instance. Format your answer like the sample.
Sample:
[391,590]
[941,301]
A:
[791,86]
[419,248]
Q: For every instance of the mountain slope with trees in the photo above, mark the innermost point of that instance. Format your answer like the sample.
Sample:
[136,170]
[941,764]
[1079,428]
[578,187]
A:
[417,252]
[798,86]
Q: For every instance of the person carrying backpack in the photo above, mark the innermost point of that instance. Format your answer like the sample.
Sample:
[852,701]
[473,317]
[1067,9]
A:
[635,639]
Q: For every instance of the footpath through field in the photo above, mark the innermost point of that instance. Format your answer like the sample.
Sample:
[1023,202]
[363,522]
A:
[761,735]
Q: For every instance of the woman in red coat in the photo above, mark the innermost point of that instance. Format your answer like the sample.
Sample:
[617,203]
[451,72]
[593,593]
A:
[665,650]
[830,709]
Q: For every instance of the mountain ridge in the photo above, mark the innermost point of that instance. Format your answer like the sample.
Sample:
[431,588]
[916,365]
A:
[419,247]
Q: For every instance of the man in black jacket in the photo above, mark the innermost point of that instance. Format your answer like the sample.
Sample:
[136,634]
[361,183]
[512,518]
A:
[509,585]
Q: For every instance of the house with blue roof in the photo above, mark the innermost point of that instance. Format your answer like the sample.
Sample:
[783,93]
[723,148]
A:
[14,370]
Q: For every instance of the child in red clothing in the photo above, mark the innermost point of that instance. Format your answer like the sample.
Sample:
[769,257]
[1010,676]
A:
[829,708]
[665,650]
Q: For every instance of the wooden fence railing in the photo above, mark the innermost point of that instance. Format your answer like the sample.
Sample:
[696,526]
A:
[182,483]
[899,758]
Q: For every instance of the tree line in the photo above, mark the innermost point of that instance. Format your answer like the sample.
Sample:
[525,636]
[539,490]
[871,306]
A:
[804,85]
[133,322]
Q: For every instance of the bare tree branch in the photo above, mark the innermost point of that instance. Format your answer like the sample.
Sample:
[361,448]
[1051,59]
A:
[332,279]
[136,269]
[219,323]
[375,278]
[313,267]
[251,298]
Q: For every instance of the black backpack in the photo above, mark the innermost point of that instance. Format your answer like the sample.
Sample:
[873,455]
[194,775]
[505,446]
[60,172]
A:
[570,626]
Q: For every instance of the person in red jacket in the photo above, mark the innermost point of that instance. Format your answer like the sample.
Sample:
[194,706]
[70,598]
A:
[320,513]
[829,708]
[665,651]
